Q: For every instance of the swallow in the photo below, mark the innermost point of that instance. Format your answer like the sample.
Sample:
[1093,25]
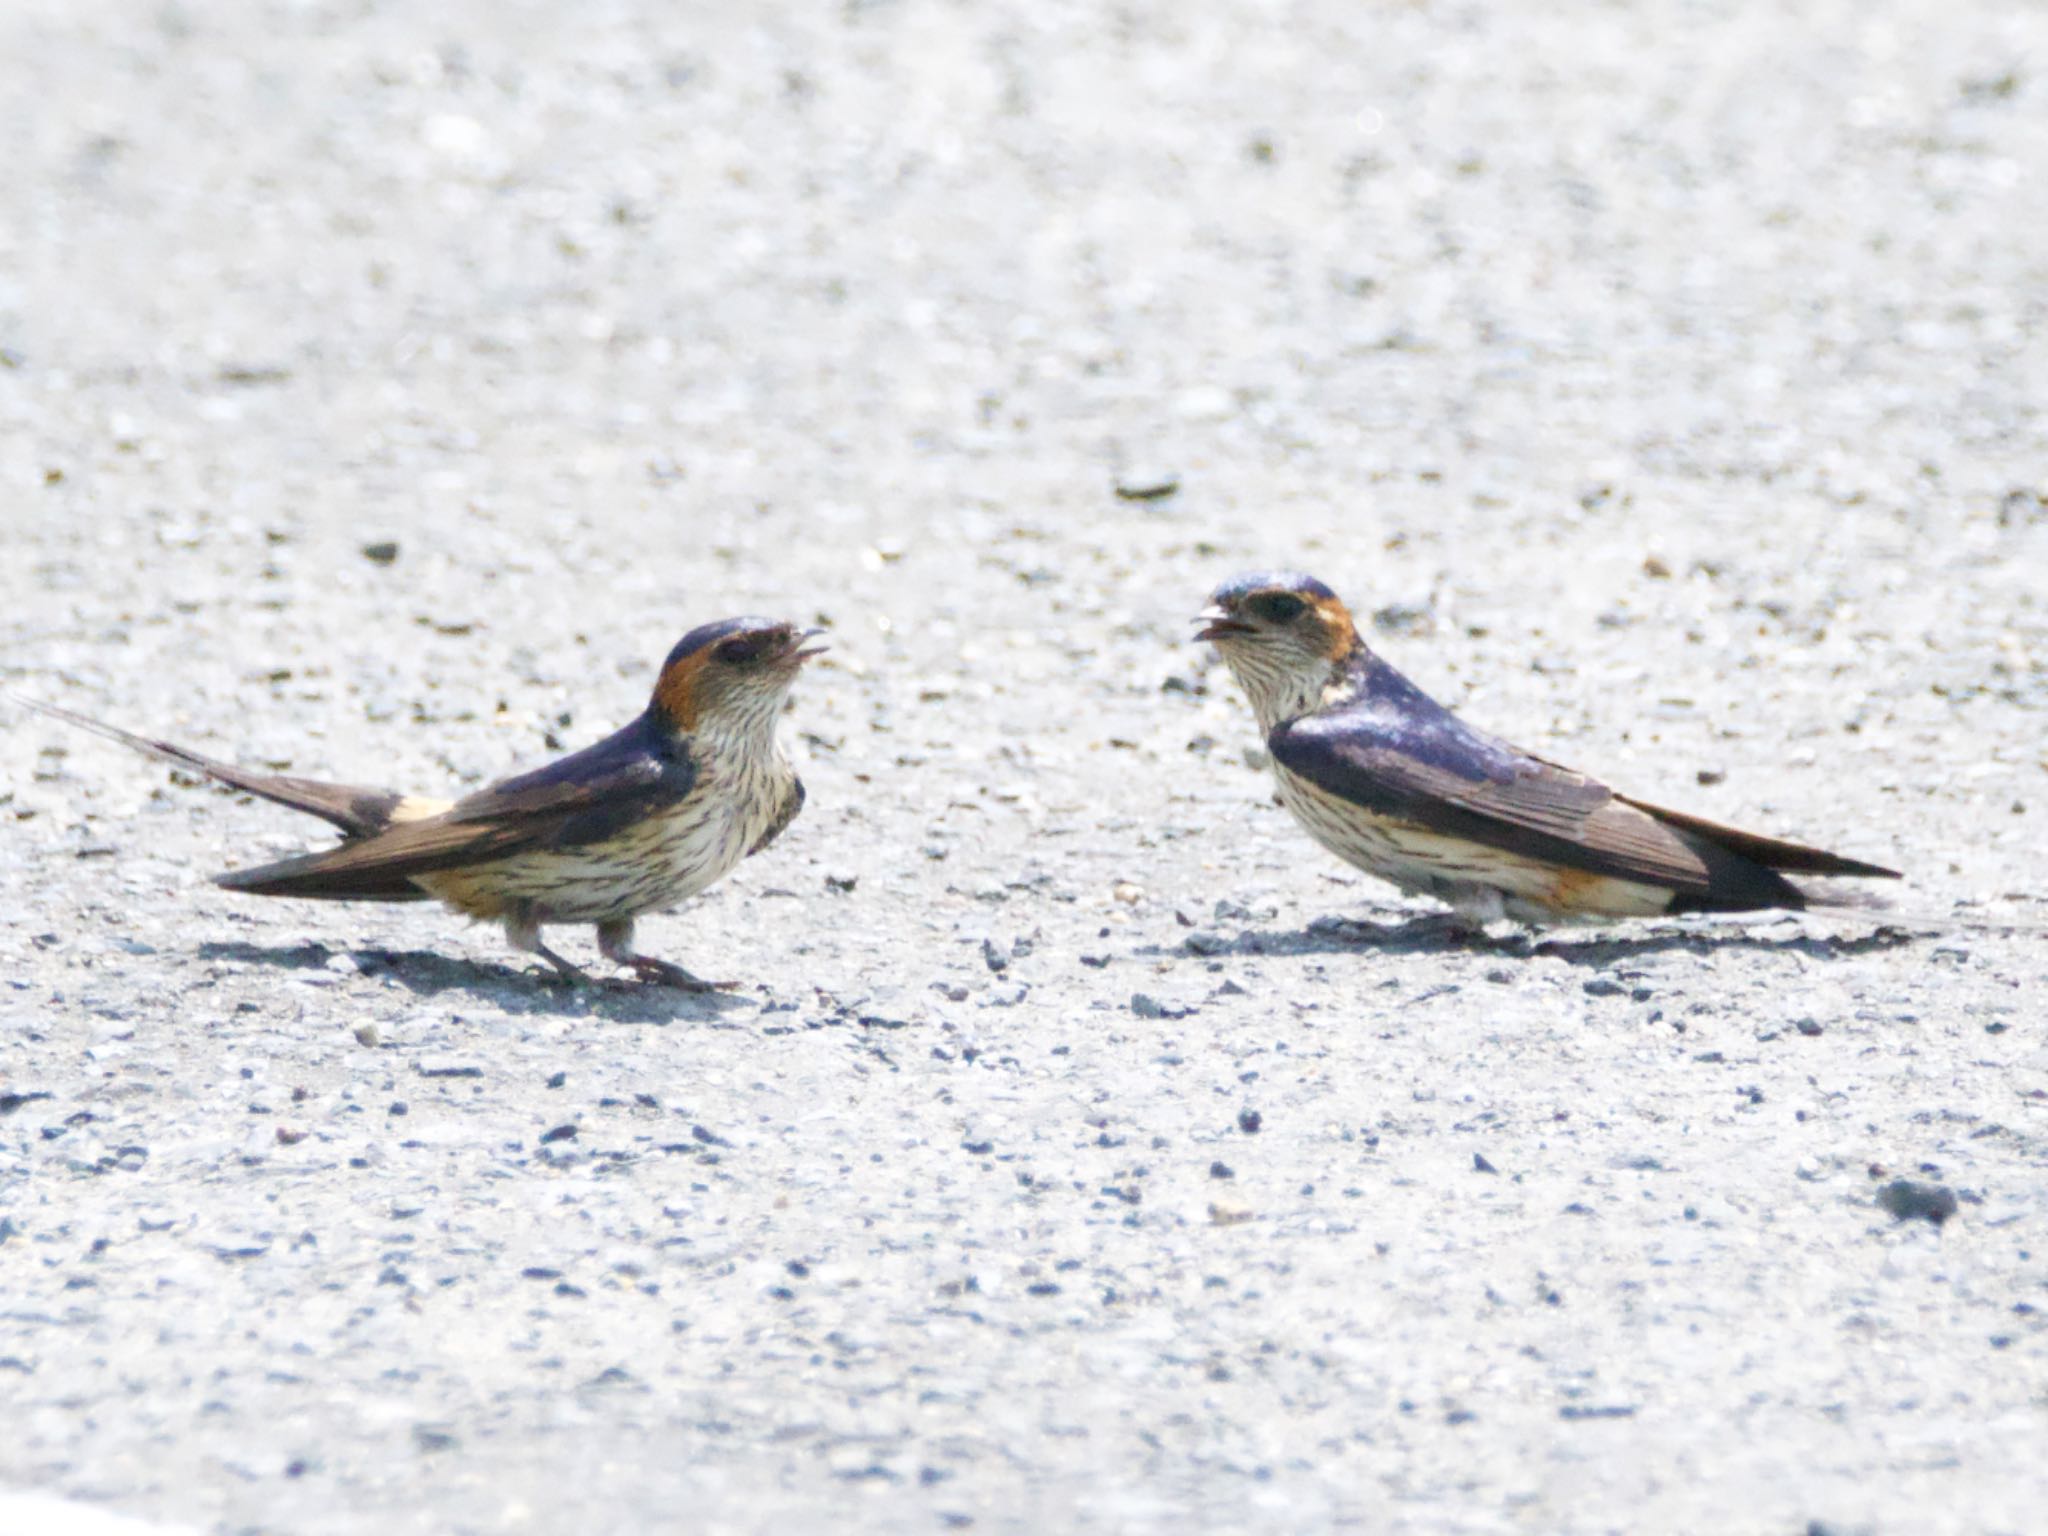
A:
[1390,781]
[637,823]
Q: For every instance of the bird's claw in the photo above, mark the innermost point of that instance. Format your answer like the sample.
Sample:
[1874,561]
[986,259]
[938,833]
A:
[667,974]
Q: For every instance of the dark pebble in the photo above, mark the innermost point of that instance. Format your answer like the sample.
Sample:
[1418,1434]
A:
[1146,487]
[1249,1121]
[1904,1200]
[1405,619]
[1143,1006]
[559,1133]
[1222,1171]
[1481,1165]
[383,552]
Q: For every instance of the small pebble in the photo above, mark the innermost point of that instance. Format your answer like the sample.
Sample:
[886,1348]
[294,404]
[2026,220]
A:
[1905,1199]
[1146,485]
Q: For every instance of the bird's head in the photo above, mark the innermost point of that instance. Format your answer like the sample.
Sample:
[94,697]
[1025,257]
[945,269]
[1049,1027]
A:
[730,677]
[1285,637]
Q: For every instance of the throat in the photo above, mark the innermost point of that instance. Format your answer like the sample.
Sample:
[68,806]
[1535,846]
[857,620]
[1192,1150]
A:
[745,752]
[1277,695]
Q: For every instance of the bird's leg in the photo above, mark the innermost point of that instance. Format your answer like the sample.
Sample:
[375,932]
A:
[1473,907]
[615,943]
[523,934]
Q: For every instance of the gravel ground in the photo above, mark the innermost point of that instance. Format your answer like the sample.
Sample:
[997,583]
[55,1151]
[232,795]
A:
[1083,1149]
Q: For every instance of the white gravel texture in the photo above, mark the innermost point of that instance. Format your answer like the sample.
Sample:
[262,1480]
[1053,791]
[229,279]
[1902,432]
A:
[1084,1150]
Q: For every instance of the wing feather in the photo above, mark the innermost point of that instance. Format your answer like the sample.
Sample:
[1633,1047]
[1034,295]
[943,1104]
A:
[1499,800]
[355,809]
[586,798]
[1394,751]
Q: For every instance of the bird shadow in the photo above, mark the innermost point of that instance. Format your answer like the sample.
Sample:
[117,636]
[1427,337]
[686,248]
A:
[1442,933]
[511,989]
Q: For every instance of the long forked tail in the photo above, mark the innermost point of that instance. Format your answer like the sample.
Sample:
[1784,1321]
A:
[1770,852]
[358,812]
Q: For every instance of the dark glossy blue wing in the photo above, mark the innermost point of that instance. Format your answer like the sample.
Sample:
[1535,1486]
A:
[1396,752]
[593,794]
[585,798]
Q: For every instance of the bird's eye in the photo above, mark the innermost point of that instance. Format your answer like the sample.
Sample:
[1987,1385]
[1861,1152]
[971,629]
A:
[740,650]
[1278,607]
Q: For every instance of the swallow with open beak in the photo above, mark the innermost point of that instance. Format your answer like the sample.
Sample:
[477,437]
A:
[1389,780]
[646,818]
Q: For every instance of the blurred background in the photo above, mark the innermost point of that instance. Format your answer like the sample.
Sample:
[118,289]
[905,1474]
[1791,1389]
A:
[628,298]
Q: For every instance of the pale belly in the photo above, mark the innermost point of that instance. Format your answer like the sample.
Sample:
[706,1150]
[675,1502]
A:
[1482,882]
[651,866]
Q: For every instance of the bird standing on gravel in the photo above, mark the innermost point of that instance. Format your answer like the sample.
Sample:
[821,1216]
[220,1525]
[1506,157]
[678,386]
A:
[1389,780]
[647,817]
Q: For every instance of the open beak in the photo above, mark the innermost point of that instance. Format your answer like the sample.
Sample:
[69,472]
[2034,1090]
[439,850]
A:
[1217,624]
[805,652]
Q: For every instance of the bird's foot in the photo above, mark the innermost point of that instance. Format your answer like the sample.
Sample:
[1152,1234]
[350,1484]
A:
[566,972]
[667,974]
[522,932]
[1474,909]
[1461,928]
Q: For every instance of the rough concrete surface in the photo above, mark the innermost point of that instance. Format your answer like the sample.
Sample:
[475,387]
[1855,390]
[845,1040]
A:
[1083,1150]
